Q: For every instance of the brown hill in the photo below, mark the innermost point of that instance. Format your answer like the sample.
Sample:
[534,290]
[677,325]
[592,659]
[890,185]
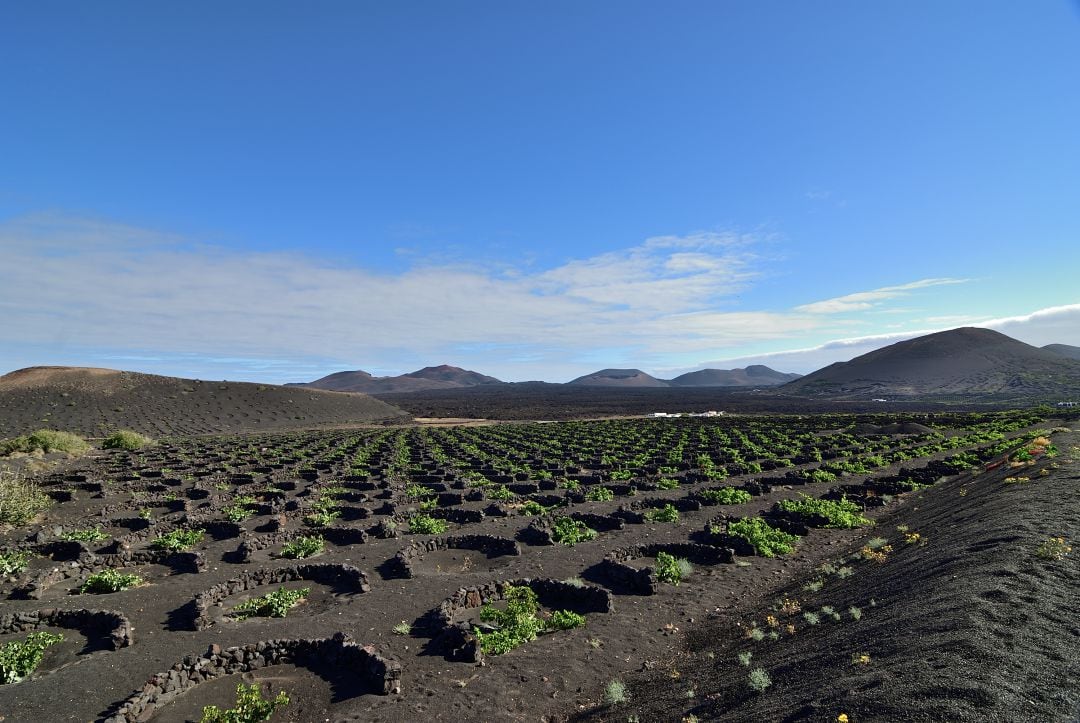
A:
[454,375]
[966,362]
[755,375]
[1072,352]
[619,378]
[96,401]
[438,377]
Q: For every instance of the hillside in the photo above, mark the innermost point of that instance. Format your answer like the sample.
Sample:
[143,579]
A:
[755,375]
[618,378]
[428,378]
[966,362]
[1065,350]
[966,624]
[95,401]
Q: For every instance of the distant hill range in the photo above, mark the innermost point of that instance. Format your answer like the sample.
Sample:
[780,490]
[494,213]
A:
[1072,352]
[755,375]
[967,362]
[95,402]
[440,377]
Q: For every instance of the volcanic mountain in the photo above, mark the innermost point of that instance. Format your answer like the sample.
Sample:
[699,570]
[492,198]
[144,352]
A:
[439,377]
[97,401]
[755,375]
[618,378]
[1072,352]
[967,362]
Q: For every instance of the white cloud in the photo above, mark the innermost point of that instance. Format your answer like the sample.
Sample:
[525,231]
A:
[71,284]
[80,292]
[864,300]
[1053,325]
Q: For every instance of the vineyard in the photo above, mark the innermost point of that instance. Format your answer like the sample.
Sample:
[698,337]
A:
[496,572]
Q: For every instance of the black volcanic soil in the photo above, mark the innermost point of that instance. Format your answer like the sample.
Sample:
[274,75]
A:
[95,402]
[973,590]
[968,624]
[538,400]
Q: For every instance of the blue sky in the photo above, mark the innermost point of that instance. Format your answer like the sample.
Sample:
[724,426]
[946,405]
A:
[273,191]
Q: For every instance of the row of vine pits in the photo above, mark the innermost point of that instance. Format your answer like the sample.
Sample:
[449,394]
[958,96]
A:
[361,493]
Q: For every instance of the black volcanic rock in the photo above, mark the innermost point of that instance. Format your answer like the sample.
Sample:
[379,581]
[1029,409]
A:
[619,378]
[755,375]
[966,362]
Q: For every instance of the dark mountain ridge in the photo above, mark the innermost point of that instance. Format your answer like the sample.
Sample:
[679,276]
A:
[1065,350]
[967,362]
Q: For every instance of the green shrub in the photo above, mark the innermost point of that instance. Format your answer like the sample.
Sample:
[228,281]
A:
[759,680]
[21,499]
[517,624]
[276,604]
[667,513]
[427,525]
[840,513]
[726,496]
[126,439]
[600,494]
[12,563]
[108,581]
[501,493]
[88,534]
[568,531]
[20,658]
[819,475]
[45,440]
[240,510]
[417,492]
[566,620]
[322,516]
[533,508]
[250,707]
[763,537]
[1054,548]
[670,569]
[179,540]
[615,693]
[668,484]
[304,546]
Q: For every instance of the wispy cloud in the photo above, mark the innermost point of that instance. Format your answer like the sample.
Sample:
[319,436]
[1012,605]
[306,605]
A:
[72,283]
[81,291]
[865,300]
